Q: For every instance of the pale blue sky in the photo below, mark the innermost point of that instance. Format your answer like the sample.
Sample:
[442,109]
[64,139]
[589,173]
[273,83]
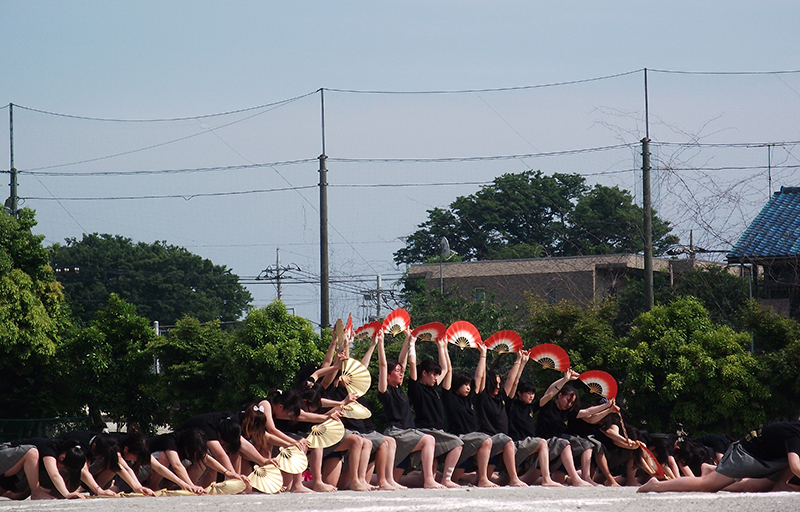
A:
[156,60]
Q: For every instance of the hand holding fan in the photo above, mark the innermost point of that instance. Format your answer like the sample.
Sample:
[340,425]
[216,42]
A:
[232,486]
[433,331]
[396,322]
[356,411]
[368,330]
[600,382]
[550,356]
[463,334]
[504,341]
[267,479]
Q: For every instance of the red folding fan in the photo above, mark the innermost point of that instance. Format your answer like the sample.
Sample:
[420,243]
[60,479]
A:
[504,341]
[600,382]
[550,356]
[396,322]
[433,331]
[368,330]
[348,329]
[463,334]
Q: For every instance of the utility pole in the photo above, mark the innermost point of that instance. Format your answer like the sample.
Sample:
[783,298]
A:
[12,204]
[648,225]
[277,272]
[324,277]
[379,298]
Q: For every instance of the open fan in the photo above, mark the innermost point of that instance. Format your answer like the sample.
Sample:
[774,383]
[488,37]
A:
[291,460]
[267,479]
[356,377]
[232,486]
[504,341]
[368,330]
[433,331]
[550,356]
[355,411]
[600,382]
[463,334]
[326,434]
[649,463]
[163,492]
[338,334]
[396,322]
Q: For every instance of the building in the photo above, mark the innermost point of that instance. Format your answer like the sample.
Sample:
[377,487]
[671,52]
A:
[578,279]
[770,248]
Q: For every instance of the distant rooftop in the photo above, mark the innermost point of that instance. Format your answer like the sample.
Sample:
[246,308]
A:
[775,232]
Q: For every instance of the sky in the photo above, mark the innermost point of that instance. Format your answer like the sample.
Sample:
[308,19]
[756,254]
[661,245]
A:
[200,123]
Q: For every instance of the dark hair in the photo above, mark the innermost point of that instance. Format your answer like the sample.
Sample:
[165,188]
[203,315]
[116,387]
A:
[313,397]
[661,448]
[430,366]
[460,378]
[136,445]
[491,382]
[104,447]
[391,364]
[525,386]
[74,457]
[570,391]
[254,426]
[192,444]
[304,377]
[291,401]
[692,454]
[230,431]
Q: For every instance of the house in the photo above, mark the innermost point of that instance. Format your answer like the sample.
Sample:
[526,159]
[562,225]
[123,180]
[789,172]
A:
[770,247]
[578,279]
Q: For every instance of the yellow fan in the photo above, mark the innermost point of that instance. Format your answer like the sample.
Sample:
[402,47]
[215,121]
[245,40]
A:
[326,434]
[356,377]
[291,460]
[266,479]
[355,411]
[338,334]
[232,486]
[170,492]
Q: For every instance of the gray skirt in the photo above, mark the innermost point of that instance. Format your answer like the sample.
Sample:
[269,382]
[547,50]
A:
[525,449]
[10,455]
[406,438]
[444,440]
[376,438]
[499,441]
[472,442]
[578,444]
[738,463]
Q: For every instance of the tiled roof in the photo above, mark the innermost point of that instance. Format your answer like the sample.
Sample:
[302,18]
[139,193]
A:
[775,232]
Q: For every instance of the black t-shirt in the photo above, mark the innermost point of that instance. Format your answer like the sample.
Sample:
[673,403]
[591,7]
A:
[459,412]
[397,408]
[208,423]
[492,416]
[579,427]
[774,441]
[716,442]
[428,406]
[47,447]
[84,437]
[553,421]
[163,443]
[521,423]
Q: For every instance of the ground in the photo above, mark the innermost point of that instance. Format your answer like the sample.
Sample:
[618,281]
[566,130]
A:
[505,499]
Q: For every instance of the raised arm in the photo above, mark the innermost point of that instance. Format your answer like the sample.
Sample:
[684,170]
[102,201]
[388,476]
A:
[411,343]
[556,386]
[444,361]
[596,410]
[513,376]
[512,389]
[368,356]
[480,370]
[447,382]
[382,366]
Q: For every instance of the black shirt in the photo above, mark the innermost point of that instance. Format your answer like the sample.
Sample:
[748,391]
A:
[397,408]
[521,423]
[553,421]
[428,406]
[459,412]
[208,423]
[492,416]
[774,441]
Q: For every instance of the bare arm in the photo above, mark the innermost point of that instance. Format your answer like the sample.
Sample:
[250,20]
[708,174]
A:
[51,467]
[383,368]
[513,376]
[368,356]
[444,361]
[411,343]
[556,386]
[174,461]
[593,411]
[447,383]
[480,371]
[165,472]
[129,477]
[523,357]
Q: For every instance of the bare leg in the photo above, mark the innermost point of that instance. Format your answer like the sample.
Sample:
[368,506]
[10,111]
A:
[29,463]
[450,465]
[315,465]
[509,459]
[602,465]
[297,484]
[544,465]
[426,446]
[391,450]
[569,467]
[712,482]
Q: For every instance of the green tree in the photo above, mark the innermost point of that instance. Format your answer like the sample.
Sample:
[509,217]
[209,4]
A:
[111,366]
[530,215]
[268,350]
[606,221]
[194,359]
[681,369]
[32,320]
[163,281]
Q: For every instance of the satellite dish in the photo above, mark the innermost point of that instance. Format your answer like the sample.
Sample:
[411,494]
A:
[445,245]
